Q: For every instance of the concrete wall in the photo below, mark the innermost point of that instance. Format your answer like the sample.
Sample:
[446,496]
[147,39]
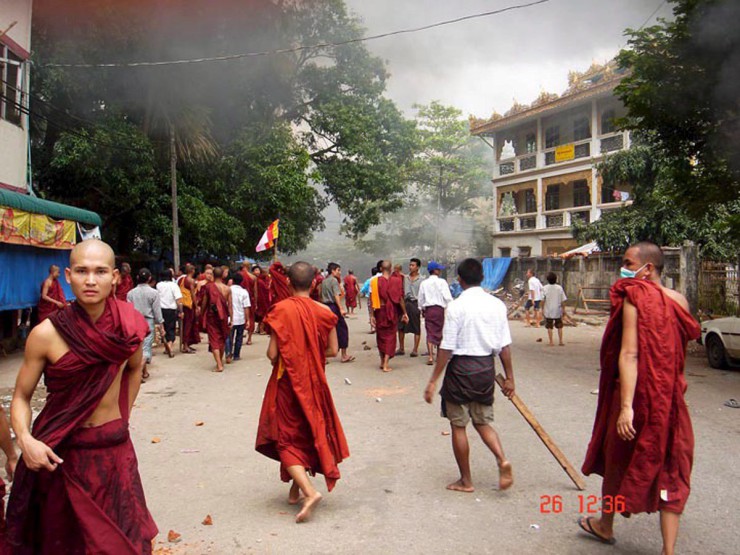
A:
[602,270]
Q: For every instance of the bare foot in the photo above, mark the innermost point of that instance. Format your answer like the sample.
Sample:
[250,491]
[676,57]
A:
[460,486]
[294,497]
[506,475]
[387,369]
[221,369]
[551,344]
[308,505]
[562,344]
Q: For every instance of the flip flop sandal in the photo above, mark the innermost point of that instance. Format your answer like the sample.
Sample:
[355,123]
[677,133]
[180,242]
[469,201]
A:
[414,355]
[732,403]
[350,359]
[589,530]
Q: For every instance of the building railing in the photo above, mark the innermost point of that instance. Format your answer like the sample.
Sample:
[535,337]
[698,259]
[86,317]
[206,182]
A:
[610,142]
[552,219]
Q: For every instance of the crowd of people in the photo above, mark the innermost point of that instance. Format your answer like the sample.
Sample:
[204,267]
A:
[76,488]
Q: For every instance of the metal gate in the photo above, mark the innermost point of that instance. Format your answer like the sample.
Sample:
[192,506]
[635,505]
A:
[719,292]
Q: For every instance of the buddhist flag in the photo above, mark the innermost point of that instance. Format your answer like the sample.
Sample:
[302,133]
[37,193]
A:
[268,237]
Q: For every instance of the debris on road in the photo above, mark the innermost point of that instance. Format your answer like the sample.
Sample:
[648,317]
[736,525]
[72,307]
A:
[156,440]
[534,526]
[378,400]
[186,451]
[446,433]
[208,521]
[173,537]
[199,423]
[347,381]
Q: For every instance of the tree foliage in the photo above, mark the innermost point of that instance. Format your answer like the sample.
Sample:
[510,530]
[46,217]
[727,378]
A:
[256,138]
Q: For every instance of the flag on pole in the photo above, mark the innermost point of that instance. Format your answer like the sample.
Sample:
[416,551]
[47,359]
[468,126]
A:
[268,237]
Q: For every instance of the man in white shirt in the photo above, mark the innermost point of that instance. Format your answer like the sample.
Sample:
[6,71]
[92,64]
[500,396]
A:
[476,330]
[554,307]
[434,296]
[240,303]
[534,286]
[170,301]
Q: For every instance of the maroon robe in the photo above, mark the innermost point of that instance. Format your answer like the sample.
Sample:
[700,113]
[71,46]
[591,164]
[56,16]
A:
[125,284]
[390,291]
[350,291]
[279,285]
[217,317]
[94,501]
[298,422]
[263,296]
[316,287]
[55,292]
[660,457]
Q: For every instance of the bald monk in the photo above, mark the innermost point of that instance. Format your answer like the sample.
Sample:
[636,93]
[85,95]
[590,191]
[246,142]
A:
[386,296]
[642,442]
[77,487]
[52,294]
[190,332]
[279,284]
[124,282]
[249,282]
[351,291]
[299,425]
[216,305]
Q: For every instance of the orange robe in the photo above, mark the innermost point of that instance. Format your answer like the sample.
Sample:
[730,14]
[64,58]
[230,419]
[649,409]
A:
[55,292]
[298,423]
[652,472]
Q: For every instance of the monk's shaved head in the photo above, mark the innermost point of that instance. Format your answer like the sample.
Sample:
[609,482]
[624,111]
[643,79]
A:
[385,266]
[301,276]
[648,251]
[93,248]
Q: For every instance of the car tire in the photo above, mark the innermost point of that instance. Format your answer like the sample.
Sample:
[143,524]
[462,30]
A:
[716,352]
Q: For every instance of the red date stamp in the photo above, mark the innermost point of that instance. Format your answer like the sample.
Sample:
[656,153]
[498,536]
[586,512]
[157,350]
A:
[591,504]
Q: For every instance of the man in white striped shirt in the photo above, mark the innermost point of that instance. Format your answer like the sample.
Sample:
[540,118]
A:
[476,330]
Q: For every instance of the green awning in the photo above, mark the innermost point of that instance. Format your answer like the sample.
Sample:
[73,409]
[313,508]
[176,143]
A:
[54,210]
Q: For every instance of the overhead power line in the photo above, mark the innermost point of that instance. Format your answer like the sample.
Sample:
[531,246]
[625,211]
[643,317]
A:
[230,57]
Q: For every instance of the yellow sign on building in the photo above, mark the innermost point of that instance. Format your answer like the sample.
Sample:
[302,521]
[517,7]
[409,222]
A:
[565,152]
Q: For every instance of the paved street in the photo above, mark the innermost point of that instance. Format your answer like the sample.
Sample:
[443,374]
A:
[391,497]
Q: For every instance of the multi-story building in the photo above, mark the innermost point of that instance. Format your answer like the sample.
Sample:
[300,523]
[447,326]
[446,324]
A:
[545,172]
[15,44]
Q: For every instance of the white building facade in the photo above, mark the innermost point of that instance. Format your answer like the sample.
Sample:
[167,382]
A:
[545,173]
[15,45]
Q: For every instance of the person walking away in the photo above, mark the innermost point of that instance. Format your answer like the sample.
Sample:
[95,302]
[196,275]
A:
[434,296]
[534,300]
[386,297]
[170,301]
[365,292]
[146,301]
[331,297]
[190,331]
[218,310]
[351,289]
[476,330]
[642,442]
[241,308]
[411,284]
[77,487]
[52,295]
[554,308]
[298,425]
[124,282]
[249,283]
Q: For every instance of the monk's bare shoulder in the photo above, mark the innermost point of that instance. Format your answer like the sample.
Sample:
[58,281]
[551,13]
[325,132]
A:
[678,297]
[44,341]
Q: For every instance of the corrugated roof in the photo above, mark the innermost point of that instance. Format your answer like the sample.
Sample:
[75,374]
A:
[55,210]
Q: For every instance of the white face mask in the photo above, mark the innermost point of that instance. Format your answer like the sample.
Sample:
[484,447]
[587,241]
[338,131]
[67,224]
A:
[627,273]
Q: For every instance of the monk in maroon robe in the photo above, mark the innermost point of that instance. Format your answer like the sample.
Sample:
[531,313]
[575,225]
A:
[299,425]
[351,289]
[642,442]
[216,306]
[249,282]
[388,306]
[263,296]
[52,295]
[318,279]
[77,487]
[125,282]
[279,284]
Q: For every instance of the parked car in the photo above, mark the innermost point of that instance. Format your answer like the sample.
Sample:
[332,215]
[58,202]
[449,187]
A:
[721,337]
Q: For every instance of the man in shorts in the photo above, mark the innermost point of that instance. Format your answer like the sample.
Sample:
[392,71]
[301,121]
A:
[534,300]
[554,308]
[476,329]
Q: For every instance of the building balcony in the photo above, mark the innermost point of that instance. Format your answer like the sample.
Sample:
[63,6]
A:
[552,157]
[550,220]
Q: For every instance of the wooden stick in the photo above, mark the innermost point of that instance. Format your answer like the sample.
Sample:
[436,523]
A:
[542,434]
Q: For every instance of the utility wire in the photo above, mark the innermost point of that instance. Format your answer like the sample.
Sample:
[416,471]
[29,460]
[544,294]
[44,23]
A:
[300,48]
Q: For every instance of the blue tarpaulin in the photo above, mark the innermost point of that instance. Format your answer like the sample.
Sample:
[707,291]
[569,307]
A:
[494,271]
[23,269]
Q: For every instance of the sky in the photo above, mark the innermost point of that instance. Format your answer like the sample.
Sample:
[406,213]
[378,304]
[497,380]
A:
[483,65]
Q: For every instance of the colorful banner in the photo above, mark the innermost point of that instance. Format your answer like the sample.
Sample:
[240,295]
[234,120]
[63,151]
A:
[38,230]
